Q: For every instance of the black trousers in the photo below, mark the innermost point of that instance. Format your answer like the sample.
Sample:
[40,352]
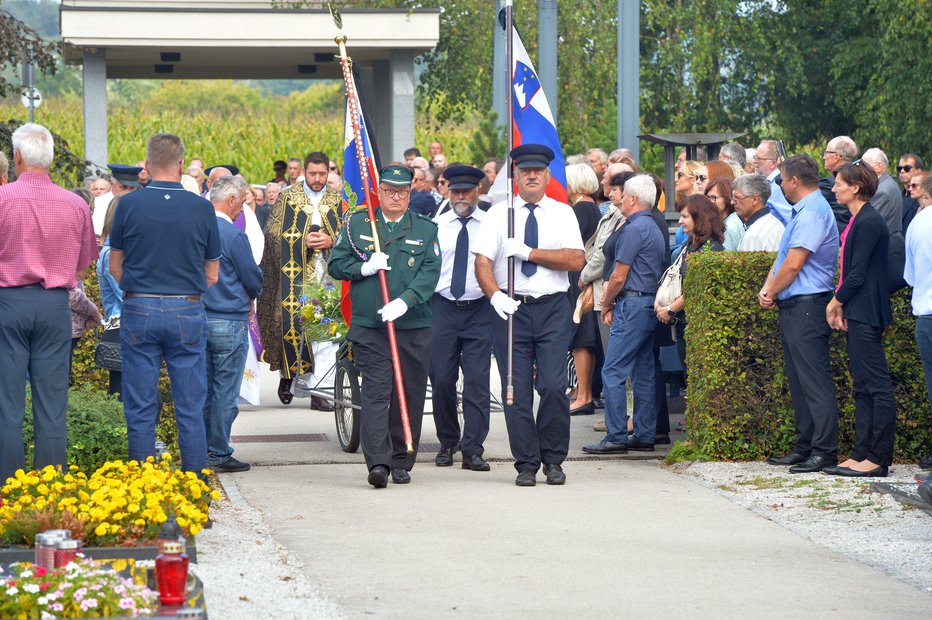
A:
[804,333]
[381,434]
[542,334]
[461,331]
[35,336]
[874,408]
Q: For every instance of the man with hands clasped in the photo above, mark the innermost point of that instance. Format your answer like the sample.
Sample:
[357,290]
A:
[546,245]
[410,257]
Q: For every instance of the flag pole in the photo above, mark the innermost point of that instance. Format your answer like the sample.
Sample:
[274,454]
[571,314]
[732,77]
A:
[369,189]
[509,192]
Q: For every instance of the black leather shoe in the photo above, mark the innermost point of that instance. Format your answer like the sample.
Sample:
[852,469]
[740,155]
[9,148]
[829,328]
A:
[880,471]
[661,439]
[400,476]
[605,447]
[813,464]
[792,458]
[639,446]
[526,478]
[587,409]
[554,474]
[231,465]
[926,462]
[831,470]
[475,463]
[378,476]
[320,404]
[284,391]
[444,458]
[598,403]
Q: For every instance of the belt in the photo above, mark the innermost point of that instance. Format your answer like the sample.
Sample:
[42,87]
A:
[161,296]
[626,294]
[798,299]
[528,299]
[462,303]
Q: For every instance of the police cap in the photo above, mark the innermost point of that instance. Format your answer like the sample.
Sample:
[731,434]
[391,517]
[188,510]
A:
[126,175]
[396,175]
[532,156]
[233,169]
[463,177]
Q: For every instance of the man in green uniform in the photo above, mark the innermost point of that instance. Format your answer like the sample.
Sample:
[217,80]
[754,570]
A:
[410,257]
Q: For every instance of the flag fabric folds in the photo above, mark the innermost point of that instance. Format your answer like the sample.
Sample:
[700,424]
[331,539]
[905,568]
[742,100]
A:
[532,120]
[354,194]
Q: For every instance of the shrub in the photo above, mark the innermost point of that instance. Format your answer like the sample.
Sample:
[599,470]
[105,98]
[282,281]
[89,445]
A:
[738,401]
[96,429]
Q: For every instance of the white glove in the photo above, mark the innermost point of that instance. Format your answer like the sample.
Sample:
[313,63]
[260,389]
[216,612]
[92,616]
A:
[393,310]
[378,260]
[517,248]
[504,305]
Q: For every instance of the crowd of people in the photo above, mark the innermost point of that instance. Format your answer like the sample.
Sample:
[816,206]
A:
[201,269]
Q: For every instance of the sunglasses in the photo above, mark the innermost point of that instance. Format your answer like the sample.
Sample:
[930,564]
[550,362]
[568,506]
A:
[913,186]
[904,168]
[701,178]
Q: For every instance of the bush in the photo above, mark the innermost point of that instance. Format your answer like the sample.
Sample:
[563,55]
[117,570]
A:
[96,429]
[738,401]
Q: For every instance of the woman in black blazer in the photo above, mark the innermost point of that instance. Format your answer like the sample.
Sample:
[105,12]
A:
[861,306]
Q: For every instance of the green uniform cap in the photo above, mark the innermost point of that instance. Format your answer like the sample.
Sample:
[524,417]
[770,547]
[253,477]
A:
[396,175]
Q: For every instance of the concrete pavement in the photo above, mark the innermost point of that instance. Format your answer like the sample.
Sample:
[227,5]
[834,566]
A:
[624,538]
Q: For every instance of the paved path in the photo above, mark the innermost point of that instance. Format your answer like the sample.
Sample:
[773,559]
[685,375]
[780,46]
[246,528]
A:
[624,538]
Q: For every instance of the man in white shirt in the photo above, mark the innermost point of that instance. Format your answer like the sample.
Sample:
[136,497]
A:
[918,274]
[762,231]
[768,164]
[460,327]
[123,180]
[546,245]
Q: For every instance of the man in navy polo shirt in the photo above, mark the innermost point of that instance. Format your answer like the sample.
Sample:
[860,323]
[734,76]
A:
[800,284]
[165,248]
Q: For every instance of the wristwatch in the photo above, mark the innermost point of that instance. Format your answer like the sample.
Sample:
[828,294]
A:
[669,311]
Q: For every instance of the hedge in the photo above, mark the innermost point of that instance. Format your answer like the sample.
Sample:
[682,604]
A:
[738,401]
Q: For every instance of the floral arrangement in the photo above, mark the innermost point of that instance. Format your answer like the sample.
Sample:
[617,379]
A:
[82,589]
[120,504]
[320,314]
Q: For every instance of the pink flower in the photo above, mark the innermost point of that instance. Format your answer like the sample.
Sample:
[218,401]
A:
[79,594]
[88,603]
[127,603]
[58,607]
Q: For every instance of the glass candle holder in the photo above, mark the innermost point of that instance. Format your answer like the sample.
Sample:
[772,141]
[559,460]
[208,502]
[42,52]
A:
[171,571]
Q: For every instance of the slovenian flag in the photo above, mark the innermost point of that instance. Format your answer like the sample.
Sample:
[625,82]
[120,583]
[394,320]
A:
[533,120]
[354,194]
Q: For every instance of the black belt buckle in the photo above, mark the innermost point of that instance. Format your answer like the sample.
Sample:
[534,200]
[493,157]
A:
[462,303]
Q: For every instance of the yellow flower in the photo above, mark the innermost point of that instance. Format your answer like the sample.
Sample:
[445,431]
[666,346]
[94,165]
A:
[102,529]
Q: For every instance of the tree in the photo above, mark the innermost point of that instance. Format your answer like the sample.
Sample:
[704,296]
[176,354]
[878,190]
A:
[21,42]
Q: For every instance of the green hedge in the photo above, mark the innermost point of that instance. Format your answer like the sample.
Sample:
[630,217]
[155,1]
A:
[738,401]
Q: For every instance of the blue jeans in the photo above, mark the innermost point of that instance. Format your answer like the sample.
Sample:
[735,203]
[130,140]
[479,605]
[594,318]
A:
[924,342]
[630,355]
[227,347]
[176,330]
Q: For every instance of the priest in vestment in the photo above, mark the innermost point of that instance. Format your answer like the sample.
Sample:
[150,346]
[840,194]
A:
[300,231]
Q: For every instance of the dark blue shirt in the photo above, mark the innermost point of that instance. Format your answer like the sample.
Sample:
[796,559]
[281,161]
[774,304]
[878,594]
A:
[240,279]
[166,233]
[640,245]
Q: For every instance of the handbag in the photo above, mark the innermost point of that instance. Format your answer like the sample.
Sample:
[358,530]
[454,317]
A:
[584,303]
[107,354]
[670,287]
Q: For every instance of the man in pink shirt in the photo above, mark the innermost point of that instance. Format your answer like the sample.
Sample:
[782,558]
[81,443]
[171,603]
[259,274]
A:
[46,246]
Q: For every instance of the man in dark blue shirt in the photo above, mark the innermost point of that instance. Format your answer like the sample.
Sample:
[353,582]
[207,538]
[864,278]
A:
[228,304]
[165,248]
[627,305]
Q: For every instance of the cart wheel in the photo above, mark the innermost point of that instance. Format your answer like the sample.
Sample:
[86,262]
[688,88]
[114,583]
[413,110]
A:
[346,393]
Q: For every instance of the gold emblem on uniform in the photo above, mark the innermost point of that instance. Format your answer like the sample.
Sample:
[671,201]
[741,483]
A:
[396,172]
[411,262]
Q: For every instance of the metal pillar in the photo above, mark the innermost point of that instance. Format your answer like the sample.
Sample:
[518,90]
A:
[377,90]
[499,70]
[402,97]
[547,50]
[95,107]
[629,78]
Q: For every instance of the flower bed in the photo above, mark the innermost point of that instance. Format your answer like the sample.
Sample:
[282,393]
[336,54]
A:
[82,589]
[122,504]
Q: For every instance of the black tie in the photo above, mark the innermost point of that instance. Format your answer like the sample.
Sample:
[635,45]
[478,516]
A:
[460,260]
[530,240]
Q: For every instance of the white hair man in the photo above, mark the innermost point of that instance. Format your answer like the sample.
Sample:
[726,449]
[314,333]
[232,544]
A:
[887,200]
[768,160]
[733,152]
[627,306]
[840,150]
[762,231]
[46,247]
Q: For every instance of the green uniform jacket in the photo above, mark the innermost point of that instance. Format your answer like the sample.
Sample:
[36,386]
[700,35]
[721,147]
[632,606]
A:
[414,258]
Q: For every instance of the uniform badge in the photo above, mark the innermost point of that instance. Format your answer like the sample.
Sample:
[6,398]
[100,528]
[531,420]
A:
[411,262]
[339,237]
[436,248]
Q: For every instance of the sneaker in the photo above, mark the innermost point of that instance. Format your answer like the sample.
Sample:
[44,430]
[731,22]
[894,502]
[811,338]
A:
[600,426]
[231,465]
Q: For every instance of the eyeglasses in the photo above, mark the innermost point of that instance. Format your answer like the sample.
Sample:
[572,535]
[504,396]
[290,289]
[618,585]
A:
[442,183]
[701,178]
[913,186]
[333,168]
[766,158]
[904,168]
[735,199]
[395,193]
[827,153]
[712,197]
[681,175]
